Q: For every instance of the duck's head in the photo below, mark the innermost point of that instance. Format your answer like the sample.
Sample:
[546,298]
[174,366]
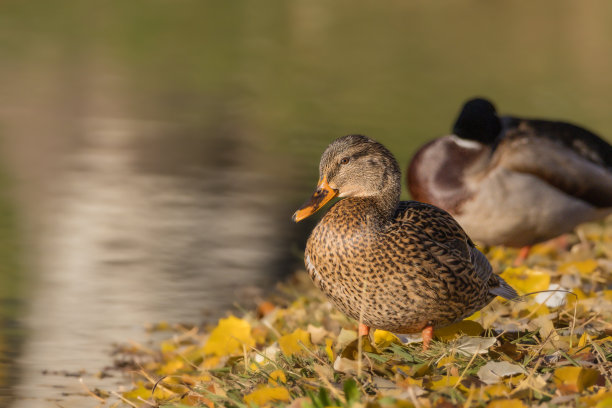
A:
[354,166]
[478,121]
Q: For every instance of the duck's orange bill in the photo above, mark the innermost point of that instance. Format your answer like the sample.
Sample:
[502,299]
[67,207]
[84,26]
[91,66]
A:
[322,195]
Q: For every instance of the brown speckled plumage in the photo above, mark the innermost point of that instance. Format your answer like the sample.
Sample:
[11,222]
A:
[397,266]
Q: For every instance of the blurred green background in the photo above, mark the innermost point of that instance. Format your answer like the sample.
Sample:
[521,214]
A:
[155,150]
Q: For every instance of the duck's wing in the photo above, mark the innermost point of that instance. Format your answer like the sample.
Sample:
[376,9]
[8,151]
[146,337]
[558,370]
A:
[448,243]
[581,141]
[565,156]
[436,223]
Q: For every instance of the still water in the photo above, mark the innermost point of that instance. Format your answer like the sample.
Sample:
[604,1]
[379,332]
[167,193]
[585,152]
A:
[152,152]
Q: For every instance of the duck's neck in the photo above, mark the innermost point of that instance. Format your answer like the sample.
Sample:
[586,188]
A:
[375,211]
[386,203]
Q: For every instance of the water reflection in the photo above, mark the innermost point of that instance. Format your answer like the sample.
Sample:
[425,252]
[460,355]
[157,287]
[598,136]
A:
[122,246]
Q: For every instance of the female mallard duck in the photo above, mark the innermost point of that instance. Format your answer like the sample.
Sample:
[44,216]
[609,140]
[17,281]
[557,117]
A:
[404,267]
[512,181]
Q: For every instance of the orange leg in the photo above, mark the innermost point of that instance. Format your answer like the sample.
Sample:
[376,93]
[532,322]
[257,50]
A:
[522,255]
[427,336]
[363,330]
[562,242]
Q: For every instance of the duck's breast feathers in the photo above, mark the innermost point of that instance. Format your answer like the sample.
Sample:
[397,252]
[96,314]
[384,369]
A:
[558,160]
[437,171]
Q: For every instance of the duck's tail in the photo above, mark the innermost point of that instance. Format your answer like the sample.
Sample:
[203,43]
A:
[504,290]
[497,286]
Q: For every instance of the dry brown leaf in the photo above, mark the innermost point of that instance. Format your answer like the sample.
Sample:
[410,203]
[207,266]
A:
[494,371]
[474,345]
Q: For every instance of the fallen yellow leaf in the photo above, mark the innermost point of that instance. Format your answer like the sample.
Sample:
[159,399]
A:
[546,249]
[328,349]
[604,403]
[409,381]
[211,362]
[576,298]
[446,382]
[604,340]
[351,351]
[404,370]
[500,254]
[138,392]
[603,399]
[229,337]
[383,339]
[538,310]
[172,366]
[506,403]
[196,400]
[516,380]
[195,379]
[345,337]
[277,376]
[167,346]
[266,394]
[468,327]
[583,267]
[445,361]
[145,393]
[526,280]
[575,379]
[475,316]
[499,390]
[583,340]
[293,344]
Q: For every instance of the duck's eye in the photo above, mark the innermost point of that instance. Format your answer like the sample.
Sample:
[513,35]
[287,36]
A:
[345,160]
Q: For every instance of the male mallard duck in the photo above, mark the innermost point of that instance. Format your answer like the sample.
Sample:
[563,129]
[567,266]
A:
[404,267]
[514,181]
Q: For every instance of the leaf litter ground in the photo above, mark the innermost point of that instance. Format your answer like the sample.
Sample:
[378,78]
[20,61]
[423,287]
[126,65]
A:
[554,349]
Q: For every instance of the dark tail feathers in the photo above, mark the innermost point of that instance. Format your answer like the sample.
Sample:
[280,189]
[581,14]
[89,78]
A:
[504,290]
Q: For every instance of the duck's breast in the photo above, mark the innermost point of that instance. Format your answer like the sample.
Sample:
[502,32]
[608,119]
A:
[436,174]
